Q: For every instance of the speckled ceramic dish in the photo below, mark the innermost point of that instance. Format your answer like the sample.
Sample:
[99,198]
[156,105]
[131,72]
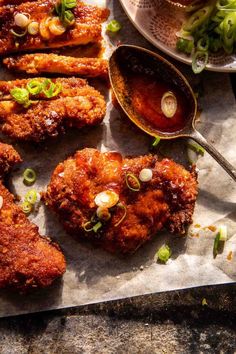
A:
[158,21]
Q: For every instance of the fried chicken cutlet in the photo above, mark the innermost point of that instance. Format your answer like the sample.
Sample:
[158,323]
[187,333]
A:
[53,63]
[27,260]
[76,105]
[98,197]
[86,27]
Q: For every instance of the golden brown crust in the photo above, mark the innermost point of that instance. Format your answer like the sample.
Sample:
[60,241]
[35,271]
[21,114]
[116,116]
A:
[77,105]
[166,201]
[52,63]
[87,27]
[8,158]
[27,260]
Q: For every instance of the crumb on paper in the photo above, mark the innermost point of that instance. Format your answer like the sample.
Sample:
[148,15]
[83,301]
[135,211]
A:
[230,256]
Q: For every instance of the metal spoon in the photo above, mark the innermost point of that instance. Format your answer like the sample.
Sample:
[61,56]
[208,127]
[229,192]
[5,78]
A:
[142,61]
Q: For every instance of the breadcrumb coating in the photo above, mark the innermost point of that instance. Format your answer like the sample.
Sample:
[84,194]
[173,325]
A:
[167,200]
[27,260]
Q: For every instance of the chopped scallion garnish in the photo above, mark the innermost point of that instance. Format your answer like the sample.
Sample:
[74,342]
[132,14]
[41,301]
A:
[21,96]
[164,253]
[156,141]
[50,89]
[34,87]
[26,207]
[31,196]
[88,227]
[223,233]
[132,182]
[97,227]
[29,176]
[114,26]
[122,206]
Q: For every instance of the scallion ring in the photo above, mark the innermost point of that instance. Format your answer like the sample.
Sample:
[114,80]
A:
[32,197]
[169,104]
[97,227]
[121,206]
[199,62]
[50,89]
[17,34]
[132,180]
[20,95]
[70,4]
[29,176]
[114,26]
[156,141]
[88,227]
[164,253]
[26,207]
[203,44]
[69,18]
[34,87]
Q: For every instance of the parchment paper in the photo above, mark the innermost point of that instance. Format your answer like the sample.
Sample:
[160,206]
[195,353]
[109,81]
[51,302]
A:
[93,275]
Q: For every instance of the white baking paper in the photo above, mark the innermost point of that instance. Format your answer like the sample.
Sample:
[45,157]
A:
[92,274]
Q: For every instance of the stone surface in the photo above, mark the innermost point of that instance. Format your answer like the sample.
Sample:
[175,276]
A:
[174,322]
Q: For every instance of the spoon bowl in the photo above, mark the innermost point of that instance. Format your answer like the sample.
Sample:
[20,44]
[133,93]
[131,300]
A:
[129,61]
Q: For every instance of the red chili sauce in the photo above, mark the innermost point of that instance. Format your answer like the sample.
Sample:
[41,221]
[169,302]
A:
[146,95]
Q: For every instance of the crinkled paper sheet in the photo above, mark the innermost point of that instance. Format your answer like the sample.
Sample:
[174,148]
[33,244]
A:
[93,275]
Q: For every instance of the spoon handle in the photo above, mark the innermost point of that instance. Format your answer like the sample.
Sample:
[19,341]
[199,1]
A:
[230,169]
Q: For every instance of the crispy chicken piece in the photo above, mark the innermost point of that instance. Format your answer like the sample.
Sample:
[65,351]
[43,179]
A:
[53,63]
[87,27]
[77,105]
[27,260]
[167,200]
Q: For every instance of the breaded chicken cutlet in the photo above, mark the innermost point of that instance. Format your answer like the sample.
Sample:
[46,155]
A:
[99,197]
[85,28]
[53,63]
[76,105]
[27,260]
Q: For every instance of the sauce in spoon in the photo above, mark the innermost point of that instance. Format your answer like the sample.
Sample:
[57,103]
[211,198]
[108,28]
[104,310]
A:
[146,96]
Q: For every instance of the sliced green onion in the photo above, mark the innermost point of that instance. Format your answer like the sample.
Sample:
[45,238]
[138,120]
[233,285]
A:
[97,227]
[223,233]
[70,4]
[26,207]
[200,60]
[88,226]
[29,176]
[229,30]
[114,26]
[198,18]
[50,89]
[226,5]
[185,46]
[216,245]
[156,141]
[195,5]
[203,44]
[122,206]
[69,18]
[196,147]
[34,87]
[164,253]
[103,213]
[31,196]
[16,34]
[134,180]
[169,104]
[21,96]
[146,175]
